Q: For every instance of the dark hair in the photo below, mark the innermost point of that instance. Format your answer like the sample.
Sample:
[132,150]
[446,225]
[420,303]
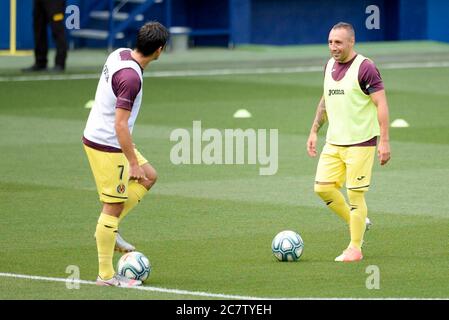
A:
[151,37]
[345,25]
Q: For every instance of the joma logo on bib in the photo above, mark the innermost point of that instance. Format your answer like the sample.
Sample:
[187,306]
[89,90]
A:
[336,92]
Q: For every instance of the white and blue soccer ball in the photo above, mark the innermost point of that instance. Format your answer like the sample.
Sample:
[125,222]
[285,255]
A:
[134,265]
[287,246]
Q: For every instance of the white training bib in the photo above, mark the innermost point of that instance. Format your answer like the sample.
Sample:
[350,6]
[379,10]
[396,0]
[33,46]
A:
[100,127]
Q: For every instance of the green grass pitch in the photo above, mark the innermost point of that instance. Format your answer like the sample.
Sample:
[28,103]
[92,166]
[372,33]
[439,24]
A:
[209,228]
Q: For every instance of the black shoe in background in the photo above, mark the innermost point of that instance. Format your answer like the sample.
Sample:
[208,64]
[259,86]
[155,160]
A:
[34,68]
[57,69]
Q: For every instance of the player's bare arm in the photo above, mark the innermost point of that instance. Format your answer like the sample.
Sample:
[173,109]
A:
[126,143]
[383,151]
[318,122]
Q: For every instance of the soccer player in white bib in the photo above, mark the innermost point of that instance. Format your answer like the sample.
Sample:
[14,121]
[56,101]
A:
[354,104]
[122,175]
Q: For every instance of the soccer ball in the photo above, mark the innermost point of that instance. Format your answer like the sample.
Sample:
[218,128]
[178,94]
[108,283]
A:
[134,265]
[287,246]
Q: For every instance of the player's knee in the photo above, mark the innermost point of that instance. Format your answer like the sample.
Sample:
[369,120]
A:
[357,201]
[322,189]
[151,178]
[113,209]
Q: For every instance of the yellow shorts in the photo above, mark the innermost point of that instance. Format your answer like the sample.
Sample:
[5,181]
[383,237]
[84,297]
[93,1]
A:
[111,173]
[350,164]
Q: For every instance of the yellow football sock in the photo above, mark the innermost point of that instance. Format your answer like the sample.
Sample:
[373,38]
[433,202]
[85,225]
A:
[136,192]
[359,212]
[105,236]
[334,199]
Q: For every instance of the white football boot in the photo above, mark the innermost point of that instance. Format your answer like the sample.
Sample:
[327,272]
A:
[118,281]
[122,246]
[368,224]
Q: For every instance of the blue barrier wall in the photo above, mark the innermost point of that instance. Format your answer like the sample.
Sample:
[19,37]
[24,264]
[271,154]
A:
[240,21]
[437,19]
[279,22]
[4,25]
[413,19]
[24,25]
[308,21]
[390,19]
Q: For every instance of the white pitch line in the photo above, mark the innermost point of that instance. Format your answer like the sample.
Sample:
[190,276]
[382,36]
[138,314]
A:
[142,288]
[200,293]
[222,72]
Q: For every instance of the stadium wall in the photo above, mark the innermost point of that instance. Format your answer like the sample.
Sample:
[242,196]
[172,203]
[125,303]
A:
[274,22]
[438,20]
[24,39]
[308,21]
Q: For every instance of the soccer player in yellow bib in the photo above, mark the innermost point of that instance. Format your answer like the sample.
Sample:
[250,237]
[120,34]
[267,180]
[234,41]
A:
[122,175]
[355,106]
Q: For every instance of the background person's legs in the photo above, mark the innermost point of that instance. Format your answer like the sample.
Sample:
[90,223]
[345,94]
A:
[56,9]
[40,21]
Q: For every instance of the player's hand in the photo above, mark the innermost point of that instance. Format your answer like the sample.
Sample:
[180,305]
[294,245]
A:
[311,144]
[383,152]
[136,173]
